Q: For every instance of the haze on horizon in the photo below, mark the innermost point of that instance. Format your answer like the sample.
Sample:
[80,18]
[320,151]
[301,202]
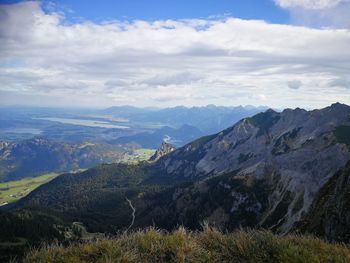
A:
[279,53]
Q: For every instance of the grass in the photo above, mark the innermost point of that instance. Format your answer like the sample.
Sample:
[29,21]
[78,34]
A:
[210,245]
[14,190]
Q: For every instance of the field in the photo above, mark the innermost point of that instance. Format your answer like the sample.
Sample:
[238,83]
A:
[12,191]
[138,155]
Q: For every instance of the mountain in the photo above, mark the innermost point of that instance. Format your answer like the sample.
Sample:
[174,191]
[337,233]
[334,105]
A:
[176,136]
[329,214]
[294,153]
[164,149]
[209,119]
[264,171]
[147,127]
[38,155]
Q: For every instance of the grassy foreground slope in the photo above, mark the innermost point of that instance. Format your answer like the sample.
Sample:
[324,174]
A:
[210,245]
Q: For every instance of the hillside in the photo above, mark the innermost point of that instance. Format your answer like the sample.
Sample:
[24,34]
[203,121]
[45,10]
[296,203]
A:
[23,229]
[12,191]
[329,214]
[177,137]
[209,245]
[32,157]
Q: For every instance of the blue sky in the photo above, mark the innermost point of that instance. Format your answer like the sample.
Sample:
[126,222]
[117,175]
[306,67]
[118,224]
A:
[279,53]
[169,9]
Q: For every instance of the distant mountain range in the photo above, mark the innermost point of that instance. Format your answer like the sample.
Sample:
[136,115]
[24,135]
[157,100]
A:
[209,119]
[143,127]
[283,171]
[37,142]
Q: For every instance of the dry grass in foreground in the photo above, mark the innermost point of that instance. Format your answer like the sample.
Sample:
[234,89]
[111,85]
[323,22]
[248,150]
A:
[210,245]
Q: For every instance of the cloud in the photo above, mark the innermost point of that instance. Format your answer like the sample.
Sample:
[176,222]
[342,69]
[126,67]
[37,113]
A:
[318,13]
[343,82]
[310,4]
[116,84]
[167,62]
[294,84]
[179,78]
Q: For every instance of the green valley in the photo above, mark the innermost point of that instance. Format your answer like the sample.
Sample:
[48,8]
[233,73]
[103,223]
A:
[14,190]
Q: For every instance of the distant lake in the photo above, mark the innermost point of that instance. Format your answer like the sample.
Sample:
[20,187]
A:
[90,123]
[23,130]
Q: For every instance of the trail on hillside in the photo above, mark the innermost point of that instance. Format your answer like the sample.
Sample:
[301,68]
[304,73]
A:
[133,213]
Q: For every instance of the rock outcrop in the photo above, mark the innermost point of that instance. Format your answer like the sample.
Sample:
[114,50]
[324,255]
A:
[164,149]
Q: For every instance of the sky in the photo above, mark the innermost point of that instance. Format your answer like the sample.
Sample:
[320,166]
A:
[278,53]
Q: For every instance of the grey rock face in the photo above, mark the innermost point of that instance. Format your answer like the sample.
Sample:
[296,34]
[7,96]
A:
[297,147]
[329,215]
[164,149]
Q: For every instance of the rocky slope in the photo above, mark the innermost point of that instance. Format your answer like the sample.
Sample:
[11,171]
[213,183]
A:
[297,151]
[164,149]
[329,214]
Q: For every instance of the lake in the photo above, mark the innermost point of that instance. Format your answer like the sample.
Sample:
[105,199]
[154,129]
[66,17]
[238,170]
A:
[23,131]
[89,123]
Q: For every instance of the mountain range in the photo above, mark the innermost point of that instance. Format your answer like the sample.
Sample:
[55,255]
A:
[274,170]
[145,127]
[209,119]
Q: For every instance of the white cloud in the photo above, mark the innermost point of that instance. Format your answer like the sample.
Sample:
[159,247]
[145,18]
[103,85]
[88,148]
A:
[179,78]
[165,63]
[310,4]
[343,82]
[318,13]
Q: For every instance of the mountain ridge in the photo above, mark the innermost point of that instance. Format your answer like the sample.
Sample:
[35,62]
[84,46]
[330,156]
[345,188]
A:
[209,119]
[280,141]
[263,171]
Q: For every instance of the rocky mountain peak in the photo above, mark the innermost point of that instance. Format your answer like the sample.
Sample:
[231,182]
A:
[339,107]
[164,149]
[270,110]
[295,152]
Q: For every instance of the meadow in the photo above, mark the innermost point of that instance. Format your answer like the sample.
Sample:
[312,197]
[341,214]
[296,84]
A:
[14,190]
